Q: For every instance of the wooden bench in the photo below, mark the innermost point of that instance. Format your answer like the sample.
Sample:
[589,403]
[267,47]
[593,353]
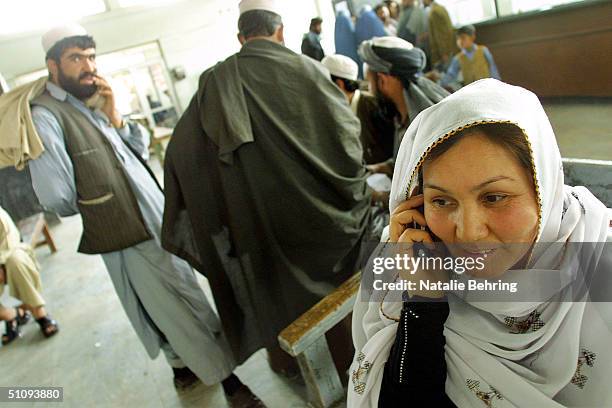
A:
[31,230]
[305,340]
[596,175]
[305,337]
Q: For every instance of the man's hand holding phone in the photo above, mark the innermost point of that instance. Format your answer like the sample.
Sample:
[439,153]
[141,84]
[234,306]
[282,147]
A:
[403,231]
[108,108]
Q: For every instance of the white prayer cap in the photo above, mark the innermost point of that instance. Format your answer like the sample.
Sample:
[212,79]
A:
[55,35]
[267,5]
[341,66]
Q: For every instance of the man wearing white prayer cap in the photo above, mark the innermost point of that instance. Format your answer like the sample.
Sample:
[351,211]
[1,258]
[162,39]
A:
[264,157]
[260,19]
[341,66]
[376,130]
[93,165]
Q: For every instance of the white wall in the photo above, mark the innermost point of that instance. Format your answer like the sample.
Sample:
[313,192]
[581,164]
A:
[194,34]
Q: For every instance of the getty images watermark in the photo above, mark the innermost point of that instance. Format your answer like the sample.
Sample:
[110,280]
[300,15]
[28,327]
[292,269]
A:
[490,272]
[405,264]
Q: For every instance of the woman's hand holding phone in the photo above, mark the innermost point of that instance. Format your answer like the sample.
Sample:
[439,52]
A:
[403,231]
[403,218]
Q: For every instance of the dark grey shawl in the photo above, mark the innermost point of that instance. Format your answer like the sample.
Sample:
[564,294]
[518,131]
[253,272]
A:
[265,190]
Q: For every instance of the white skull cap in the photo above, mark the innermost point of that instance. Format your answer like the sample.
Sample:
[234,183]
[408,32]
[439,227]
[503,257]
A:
[341,66]
[266,5]
[57,34]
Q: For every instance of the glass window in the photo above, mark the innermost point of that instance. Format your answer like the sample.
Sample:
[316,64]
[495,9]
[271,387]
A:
[509,7]
[464,12]
[127,99]
[27,15]
[140,80]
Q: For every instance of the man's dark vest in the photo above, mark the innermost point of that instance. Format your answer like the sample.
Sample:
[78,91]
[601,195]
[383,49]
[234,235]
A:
[112,220]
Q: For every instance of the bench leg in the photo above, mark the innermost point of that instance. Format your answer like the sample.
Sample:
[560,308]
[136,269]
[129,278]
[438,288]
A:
[49,239]
[320,374]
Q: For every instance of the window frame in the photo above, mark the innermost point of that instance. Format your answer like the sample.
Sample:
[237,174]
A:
[531,13]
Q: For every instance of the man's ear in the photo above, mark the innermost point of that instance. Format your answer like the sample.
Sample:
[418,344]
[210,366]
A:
[279,35]
[382,80]
[241,38]
[53,68]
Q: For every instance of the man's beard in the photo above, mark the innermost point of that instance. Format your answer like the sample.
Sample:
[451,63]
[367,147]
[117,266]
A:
[386,107]
[75,88]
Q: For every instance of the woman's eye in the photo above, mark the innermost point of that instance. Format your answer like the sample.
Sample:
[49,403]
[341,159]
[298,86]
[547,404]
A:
[440,202]
[494,198]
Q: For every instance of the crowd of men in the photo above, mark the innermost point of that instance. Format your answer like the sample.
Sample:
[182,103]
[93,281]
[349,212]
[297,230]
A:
[453,57]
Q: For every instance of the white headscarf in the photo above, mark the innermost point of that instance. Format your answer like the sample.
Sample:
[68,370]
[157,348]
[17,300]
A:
[567,361]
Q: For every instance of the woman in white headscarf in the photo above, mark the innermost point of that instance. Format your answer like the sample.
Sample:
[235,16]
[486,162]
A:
[487,164]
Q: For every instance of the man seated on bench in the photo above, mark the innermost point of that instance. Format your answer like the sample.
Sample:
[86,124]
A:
[19,269]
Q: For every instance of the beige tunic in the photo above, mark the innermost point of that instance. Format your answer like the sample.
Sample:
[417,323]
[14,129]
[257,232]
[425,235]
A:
[9,236]
[19,264]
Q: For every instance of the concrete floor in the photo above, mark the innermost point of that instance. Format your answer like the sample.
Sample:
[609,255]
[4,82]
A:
[583,129]
[97,357]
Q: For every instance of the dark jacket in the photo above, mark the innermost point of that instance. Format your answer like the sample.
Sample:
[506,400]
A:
[265,190]
[377,132]
[311,46]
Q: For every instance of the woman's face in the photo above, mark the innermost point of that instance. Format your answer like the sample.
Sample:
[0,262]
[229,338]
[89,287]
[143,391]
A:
[478,197]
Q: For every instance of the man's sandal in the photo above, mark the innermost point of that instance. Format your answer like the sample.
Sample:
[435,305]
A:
[12,326]
[48,326]
[12,332]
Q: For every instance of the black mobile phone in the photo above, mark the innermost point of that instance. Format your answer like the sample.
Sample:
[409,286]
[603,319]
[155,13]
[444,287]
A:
[419,190]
